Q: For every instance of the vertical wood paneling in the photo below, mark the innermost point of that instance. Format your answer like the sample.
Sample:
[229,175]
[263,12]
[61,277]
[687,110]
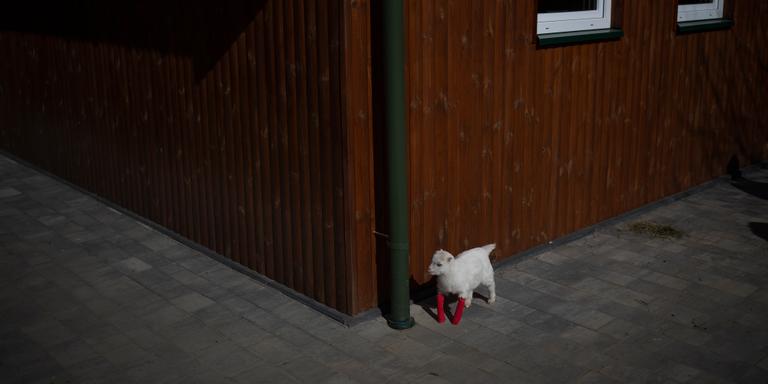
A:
[315,265]
[587,131]
[253,135]
[243,126]
[358,156]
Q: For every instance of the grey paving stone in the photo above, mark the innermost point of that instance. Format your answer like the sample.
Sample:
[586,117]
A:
[199,264]
[498,323]
[170,289]
[265,374]
[621,329]
[555,258]
[510,308]
[178,252]
[267,298]
[192,302]
[303,337]
[170,268]
[546,322]
[157,242]
[244,333]
[164,316]
[508,373]
[89,302]
[594,285]
[515,292]
[625,374]
[587,337]
[132,265]
[49,332]
[375,330]
[8,192]
[691,333]
[589,318]
[217,314]
[357,371]
[710,364]
[763,364]
[732,287]
[96,368]
[262,318]
[455,370]
[215,293]
[127,356]
[71,353]
[327,354]
[308,370]
[754,375]
[237,304]
[611,276]
[275,351]
[52,220]
[593,377]
[228,359]
[194,340]
[190,279]
[41,371]
[155,371]
[296,313]
[202,373]
[529,334]
[339,378]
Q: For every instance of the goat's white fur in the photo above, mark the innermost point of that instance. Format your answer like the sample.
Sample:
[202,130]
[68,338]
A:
[462,274]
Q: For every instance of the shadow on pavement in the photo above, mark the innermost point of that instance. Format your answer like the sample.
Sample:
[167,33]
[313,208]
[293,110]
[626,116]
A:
[754,188]
[759,229]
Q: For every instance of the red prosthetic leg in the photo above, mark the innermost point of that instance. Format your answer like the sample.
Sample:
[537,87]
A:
[440,308]
[459,312]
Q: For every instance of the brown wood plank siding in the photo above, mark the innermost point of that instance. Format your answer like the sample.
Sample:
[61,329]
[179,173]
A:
[358,155]
[519,146]
[242,126]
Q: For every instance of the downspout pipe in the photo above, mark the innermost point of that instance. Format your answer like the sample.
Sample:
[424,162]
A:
[394,99]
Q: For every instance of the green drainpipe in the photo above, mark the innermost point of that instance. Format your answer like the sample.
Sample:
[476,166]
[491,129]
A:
[394,52]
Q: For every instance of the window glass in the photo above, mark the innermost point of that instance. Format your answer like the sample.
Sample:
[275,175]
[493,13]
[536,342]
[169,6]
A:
[553,6]
[692,10]
[575,15]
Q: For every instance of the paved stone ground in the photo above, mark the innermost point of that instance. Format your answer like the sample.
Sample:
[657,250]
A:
[88,295]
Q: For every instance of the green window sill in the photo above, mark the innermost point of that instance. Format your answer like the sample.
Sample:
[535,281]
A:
[704,25]
[576,37]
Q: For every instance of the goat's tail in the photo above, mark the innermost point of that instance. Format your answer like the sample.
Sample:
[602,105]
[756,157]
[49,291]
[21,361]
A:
[489,248]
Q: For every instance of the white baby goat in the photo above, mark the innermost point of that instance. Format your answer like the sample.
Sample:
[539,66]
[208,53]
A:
[461,275]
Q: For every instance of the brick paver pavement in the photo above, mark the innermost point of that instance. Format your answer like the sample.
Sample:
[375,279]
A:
[89,295]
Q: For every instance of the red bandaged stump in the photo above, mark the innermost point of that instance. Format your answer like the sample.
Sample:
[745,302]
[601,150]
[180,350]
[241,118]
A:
[441,310]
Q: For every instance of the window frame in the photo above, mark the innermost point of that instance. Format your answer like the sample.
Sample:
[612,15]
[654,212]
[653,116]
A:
[558,22]
[695,12]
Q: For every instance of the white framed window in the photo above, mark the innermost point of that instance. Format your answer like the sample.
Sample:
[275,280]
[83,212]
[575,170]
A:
[690,10]
[569,15]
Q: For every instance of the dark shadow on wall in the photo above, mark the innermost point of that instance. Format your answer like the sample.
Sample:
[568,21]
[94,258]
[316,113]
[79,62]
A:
[200,30]
[740,112]
[380,158]
[732,168]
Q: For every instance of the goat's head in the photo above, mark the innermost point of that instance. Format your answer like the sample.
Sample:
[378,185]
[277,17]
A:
[441,262]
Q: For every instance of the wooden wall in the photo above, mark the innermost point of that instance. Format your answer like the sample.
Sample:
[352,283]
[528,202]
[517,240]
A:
[519,146]
[247,126]
[243,125]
